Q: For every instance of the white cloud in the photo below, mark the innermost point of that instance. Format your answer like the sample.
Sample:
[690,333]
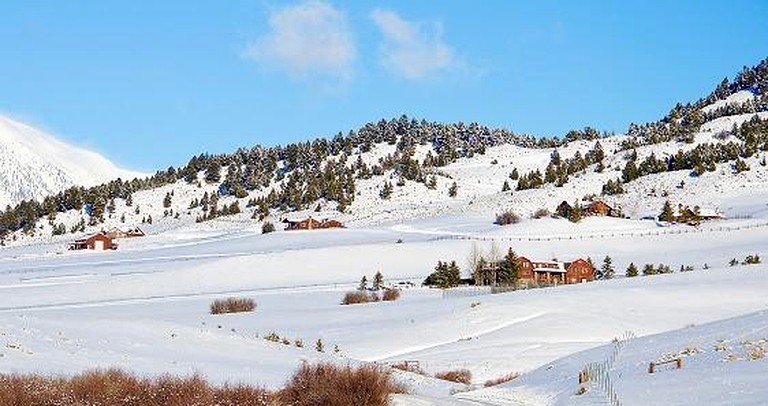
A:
[411,49]
[307,39]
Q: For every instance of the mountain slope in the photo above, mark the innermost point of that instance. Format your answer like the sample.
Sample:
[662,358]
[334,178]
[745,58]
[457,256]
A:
[34,164]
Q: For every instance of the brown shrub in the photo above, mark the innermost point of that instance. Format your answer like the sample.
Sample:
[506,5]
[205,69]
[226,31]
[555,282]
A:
[459,376]
[329,384]
[507,217]
[391,295]
[233,305]
[115,387]
[356,297]
[540,213]
[502,379]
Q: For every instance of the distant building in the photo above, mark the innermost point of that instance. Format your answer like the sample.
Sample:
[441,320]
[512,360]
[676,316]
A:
[312,224]
[540,272]
[599,208]
[97,242]
[117,233]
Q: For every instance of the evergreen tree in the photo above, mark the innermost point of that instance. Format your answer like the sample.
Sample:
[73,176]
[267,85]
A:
[386,191]
[505,186]
[607,270]
[267,228]
[632,270]
[378,281]
[575,215]
[363,283]
[453,190]
[648,269]
[167,200]
[510,267]
[667,213]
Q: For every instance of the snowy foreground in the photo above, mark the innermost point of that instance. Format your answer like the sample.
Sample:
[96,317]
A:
[145,308]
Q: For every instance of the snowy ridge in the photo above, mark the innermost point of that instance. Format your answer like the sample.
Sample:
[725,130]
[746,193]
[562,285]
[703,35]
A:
[34,164]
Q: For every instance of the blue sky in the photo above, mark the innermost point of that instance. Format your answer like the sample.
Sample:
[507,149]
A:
[151,83]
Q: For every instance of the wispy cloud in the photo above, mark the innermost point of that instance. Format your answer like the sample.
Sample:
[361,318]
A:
[307,39]
[412,49]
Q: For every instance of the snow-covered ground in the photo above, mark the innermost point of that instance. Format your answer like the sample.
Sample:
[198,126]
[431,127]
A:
[144,307]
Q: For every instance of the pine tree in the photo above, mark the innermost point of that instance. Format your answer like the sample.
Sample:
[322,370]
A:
[648,269]
[607,270]
[505,186]
[575,215]
[667,213]
[453,190]
[363,284]
[386,191]
[167,200]
[632,270]
[432,182]
[378,281]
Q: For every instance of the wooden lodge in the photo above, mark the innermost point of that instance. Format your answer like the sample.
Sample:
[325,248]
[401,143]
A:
[312,224]
[555,272]
[96,242]
[536,272]
[596,208]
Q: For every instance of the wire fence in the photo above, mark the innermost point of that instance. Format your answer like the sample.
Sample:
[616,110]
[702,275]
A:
[600,372]
[653,233]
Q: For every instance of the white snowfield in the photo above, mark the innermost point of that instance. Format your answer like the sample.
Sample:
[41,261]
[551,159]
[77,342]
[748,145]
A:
[34,164]
[144,307]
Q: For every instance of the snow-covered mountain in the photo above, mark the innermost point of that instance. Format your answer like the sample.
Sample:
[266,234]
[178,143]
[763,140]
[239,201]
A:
[34,164]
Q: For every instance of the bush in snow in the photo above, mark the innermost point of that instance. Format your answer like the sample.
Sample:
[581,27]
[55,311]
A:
[267,228]
[330,384]
[540,213]
[459,376]
[507,217]
[356,297]
[232,305]
[390,295]
[752,259]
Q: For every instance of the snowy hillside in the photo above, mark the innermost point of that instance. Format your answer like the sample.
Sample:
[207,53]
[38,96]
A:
[34,164]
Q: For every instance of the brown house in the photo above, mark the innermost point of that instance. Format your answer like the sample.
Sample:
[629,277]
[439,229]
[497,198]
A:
[538,272]
[312,224]
[599,208]
[98,242]
[555,272]
[306,224]
[331,224]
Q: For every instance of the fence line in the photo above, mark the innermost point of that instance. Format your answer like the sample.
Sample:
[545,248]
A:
[603,235]
[599,372]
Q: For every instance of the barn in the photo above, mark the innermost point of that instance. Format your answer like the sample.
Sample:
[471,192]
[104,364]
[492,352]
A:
[97,242]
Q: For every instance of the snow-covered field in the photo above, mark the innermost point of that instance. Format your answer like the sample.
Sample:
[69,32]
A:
[144,307]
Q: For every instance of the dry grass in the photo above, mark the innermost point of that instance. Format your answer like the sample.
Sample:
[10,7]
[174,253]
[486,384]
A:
[459,376]
[329,384]
[233,305]
[116,387]
[502,379]
[390,295]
